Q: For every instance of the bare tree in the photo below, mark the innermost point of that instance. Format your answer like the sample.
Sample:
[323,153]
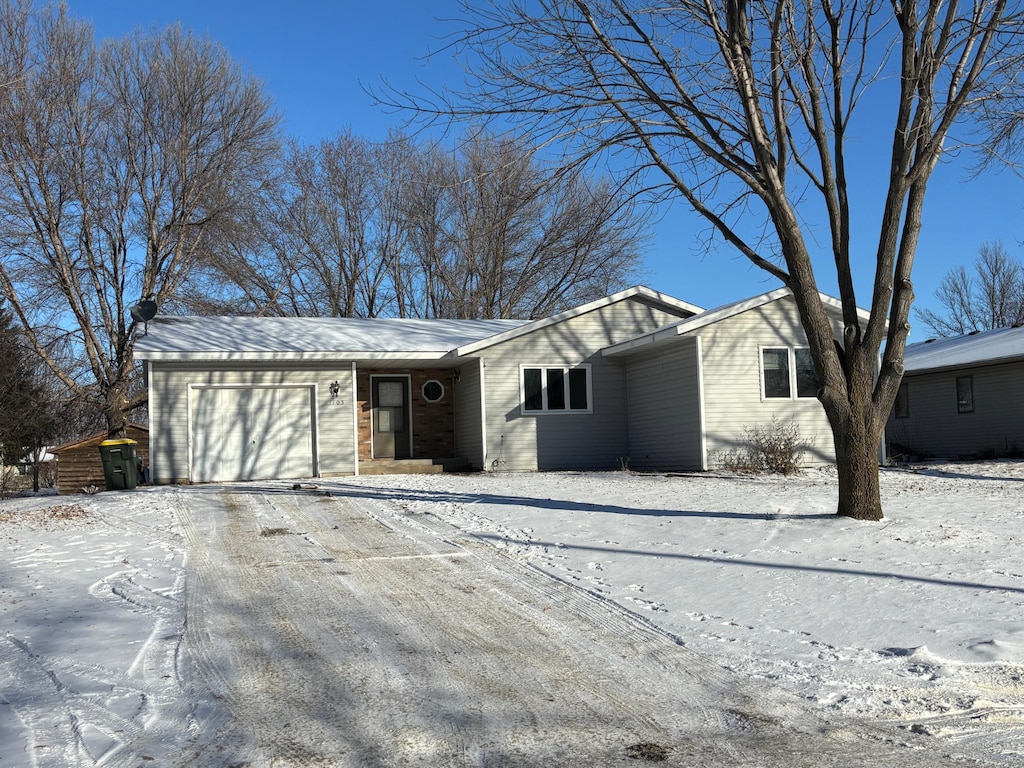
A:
[354,228]
[497,233]
[743,108]
[323,238]
[119,164]
[991,295]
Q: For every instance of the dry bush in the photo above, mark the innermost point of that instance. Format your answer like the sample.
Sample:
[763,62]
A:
[774,448]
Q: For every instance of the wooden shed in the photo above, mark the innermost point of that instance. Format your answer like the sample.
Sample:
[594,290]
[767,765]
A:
[79,465]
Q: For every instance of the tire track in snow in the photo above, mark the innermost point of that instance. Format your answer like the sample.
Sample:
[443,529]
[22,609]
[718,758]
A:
[359,640]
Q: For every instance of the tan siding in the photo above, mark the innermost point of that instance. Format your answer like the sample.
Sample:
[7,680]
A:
[564,441]
[663,407]
[732,383]
[934,428]
[468,438]
[170,417]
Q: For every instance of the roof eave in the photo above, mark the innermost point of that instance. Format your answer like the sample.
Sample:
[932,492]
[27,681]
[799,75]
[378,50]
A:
[691,324]
[637,291]
[694,323]
[965,365]
[289,356]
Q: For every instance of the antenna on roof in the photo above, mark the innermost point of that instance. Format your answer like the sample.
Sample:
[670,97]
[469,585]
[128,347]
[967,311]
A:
[143,312]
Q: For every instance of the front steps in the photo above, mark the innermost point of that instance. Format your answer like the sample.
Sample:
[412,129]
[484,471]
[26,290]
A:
[411,466]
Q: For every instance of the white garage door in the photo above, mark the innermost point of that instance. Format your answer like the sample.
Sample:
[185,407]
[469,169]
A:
[251,433]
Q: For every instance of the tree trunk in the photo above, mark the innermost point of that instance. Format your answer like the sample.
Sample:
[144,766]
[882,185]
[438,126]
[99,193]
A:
[115,409]
[857,451]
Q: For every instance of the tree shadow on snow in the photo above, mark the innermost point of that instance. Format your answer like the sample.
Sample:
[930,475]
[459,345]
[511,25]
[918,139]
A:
[561,505]
[752,563]
[959,471]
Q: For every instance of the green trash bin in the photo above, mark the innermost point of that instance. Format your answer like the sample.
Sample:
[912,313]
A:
[119,469]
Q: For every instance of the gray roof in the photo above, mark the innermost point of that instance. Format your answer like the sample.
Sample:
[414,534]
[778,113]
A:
[310,338]
[982,348]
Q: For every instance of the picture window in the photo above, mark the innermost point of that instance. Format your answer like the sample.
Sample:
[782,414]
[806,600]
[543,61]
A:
[555,389]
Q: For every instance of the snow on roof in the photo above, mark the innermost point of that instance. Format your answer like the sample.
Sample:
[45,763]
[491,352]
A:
[309,338]
[999,345]
[95,437]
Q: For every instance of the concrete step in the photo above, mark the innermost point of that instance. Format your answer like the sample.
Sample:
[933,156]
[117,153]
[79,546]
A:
[400,467]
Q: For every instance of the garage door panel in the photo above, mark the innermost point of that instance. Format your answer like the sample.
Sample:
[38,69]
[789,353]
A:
[251,433]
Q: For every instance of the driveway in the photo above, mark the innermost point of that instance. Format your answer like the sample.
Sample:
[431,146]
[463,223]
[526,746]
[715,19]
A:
[331,637]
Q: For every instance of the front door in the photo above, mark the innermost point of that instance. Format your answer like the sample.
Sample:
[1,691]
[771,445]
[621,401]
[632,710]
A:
[390,417]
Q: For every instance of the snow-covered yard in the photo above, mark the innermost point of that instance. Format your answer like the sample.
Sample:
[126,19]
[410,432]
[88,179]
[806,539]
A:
[915,620]
[918,619]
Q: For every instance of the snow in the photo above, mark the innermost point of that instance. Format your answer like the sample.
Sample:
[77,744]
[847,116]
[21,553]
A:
[997,345]
[332,336]
[914,620]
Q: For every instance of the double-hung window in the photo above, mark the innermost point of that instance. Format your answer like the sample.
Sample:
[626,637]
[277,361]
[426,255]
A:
[788,373]
[555,389]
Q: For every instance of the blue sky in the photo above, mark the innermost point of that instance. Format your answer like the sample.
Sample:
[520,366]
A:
[315,58]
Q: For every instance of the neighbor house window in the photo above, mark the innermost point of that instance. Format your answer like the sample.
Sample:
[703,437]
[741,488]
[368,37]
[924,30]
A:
[901,409]
[965,394]
[555,389]
[787,370]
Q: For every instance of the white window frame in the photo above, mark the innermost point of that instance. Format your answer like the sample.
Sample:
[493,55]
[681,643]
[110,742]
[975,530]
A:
[545,411]
[791,353]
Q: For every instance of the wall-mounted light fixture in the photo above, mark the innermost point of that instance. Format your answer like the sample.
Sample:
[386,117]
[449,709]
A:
[456,375]
[335,389]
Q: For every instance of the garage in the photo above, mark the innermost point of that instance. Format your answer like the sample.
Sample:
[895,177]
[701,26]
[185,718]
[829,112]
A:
[251,433]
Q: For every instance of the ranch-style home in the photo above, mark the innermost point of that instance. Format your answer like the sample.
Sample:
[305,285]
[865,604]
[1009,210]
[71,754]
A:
[961,397]
[637,377]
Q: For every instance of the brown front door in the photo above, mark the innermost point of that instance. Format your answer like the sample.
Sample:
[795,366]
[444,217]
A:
[390,417]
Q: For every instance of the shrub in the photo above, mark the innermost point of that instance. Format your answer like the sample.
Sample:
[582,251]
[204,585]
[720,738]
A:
[773,448]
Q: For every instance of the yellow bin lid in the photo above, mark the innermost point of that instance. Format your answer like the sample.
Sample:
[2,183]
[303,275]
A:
[124,441]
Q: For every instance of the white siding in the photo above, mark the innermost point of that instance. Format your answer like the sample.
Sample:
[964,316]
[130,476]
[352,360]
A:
[935,428]
[732,383]
[663,407]
[168,392]
[594,440]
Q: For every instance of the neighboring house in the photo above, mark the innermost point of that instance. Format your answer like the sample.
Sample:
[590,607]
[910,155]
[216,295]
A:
[637,376]
[961,397]
[79,464]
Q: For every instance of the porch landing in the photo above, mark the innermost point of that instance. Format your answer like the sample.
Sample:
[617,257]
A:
[411,466]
